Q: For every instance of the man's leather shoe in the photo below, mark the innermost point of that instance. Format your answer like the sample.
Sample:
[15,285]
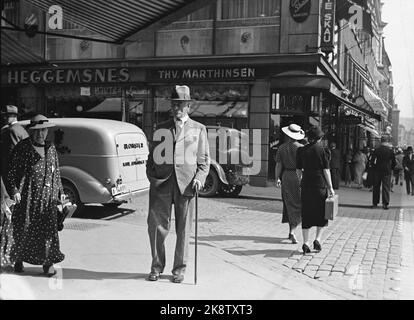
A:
[385,207]
[153,276]
[178,278]
[374,206]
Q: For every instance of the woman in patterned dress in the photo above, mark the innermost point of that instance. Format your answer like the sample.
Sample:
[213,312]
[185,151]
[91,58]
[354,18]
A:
[36,186]
[288,179]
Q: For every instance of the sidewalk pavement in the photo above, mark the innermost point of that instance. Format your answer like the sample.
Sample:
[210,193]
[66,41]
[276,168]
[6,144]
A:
[111,260]
[348,197]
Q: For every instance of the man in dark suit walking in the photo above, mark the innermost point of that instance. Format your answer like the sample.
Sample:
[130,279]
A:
[383,164]
[408,165]
[11,134]
[178,164]
[335,164]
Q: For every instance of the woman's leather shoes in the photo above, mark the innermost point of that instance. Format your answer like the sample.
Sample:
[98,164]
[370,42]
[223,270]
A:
[317,246]
[178,278]
[18,267]
[305,248]
[46,269]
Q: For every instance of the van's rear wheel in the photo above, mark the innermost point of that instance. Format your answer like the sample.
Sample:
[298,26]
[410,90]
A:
[72,194]
[230,190]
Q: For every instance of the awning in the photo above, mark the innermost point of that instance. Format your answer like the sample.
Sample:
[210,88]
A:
[15,53]
[376,103]
[300,79]
[118,20]
[356,108]
[114,105]
[374,132]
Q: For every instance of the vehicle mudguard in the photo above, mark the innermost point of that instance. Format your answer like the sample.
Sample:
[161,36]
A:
[219,169]
[90,189]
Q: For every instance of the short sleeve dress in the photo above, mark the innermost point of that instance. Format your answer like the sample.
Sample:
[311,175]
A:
[312,159]
[286,157]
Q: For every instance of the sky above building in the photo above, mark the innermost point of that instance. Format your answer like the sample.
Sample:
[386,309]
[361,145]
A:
[399,43]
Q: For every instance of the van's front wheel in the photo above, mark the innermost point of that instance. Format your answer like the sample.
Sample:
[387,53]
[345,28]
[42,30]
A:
[72,194]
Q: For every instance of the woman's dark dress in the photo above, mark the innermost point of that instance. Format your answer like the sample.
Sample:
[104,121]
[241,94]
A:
[313,158]
[35,229]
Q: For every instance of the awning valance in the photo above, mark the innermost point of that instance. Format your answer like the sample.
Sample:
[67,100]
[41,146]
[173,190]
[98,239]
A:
[15,53]
[300,79]
[356,108]
[118,20]
[377,104]
[374,132]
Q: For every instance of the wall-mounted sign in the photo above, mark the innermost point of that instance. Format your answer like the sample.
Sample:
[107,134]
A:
[68,76]
[191,74]
[300,9]
[85,91]
[328,25]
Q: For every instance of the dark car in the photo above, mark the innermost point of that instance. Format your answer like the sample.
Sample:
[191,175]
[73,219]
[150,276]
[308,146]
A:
[228,170]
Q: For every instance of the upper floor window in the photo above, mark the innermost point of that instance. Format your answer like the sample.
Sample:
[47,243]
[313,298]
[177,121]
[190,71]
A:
[241,9]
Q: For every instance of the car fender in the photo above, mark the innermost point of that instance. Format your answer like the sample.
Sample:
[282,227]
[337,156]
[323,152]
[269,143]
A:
[220,171]
[89,188]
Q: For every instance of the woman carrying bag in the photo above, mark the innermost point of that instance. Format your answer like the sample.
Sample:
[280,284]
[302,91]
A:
[316,185]
[36,186]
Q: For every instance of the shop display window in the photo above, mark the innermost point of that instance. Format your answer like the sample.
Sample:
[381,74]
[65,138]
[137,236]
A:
[224,105]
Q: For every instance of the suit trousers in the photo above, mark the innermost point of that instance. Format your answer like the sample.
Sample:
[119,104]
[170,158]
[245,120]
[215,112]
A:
[335,178]
[409,182]
[384,179]
[161,199]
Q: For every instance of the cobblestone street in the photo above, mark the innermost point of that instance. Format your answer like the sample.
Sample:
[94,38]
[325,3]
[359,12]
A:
[365,252]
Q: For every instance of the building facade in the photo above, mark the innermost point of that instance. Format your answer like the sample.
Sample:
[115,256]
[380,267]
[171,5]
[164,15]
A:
[251,64]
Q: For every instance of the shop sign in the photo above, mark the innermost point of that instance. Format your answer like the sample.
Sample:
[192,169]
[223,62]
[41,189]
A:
[85,91]
[68,76]
[107,91]
[351,120]
[328,25]
[300,9]
[200,74]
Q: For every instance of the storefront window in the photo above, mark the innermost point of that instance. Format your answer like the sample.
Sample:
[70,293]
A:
[223,105]
[240,9]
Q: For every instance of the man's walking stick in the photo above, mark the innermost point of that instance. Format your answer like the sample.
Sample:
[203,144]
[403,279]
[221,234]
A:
[195,236]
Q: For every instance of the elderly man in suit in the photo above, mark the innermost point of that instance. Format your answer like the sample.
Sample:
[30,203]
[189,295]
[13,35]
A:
[335,164]
[178,164]
[383,164]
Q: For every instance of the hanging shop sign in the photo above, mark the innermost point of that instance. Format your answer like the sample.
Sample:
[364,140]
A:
[68,76]
[202,74]
[300,9]
[328,25]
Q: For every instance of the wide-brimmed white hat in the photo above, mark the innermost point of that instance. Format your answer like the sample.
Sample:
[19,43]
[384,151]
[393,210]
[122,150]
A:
[39,122]
[294,131]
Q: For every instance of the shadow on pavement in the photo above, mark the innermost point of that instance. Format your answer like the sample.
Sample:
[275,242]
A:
[68,273]
[243,238]
[100,212]
[277,253]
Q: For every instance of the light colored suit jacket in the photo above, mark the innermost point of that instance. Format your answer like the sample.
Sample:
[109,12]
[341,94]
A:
[187,155]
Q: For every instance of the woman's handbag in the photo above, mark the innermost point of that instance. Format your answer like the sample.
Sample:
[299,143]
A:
[65,210]
[331,207]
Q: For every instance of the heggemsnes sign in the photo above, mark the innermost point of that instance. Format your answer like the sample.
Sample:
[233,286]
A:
[68,76]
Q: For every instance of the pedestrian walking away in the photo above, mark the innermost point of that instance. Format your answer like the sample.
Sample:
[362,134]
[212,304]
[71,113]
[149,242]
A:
[359,161]
[348,167]
[383,163]
[36,187]
[399,169]
[313,167]
[408,164]
[335,165]
[174,180]
[11,134]
[287,178]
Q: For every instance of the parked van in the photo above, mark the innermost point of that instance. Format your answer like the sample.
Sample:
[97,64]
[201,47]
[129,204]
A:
[101,161]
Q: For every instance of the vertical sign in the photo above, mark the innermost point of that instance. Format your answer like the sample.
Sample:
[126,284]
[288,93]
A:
[328,25]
